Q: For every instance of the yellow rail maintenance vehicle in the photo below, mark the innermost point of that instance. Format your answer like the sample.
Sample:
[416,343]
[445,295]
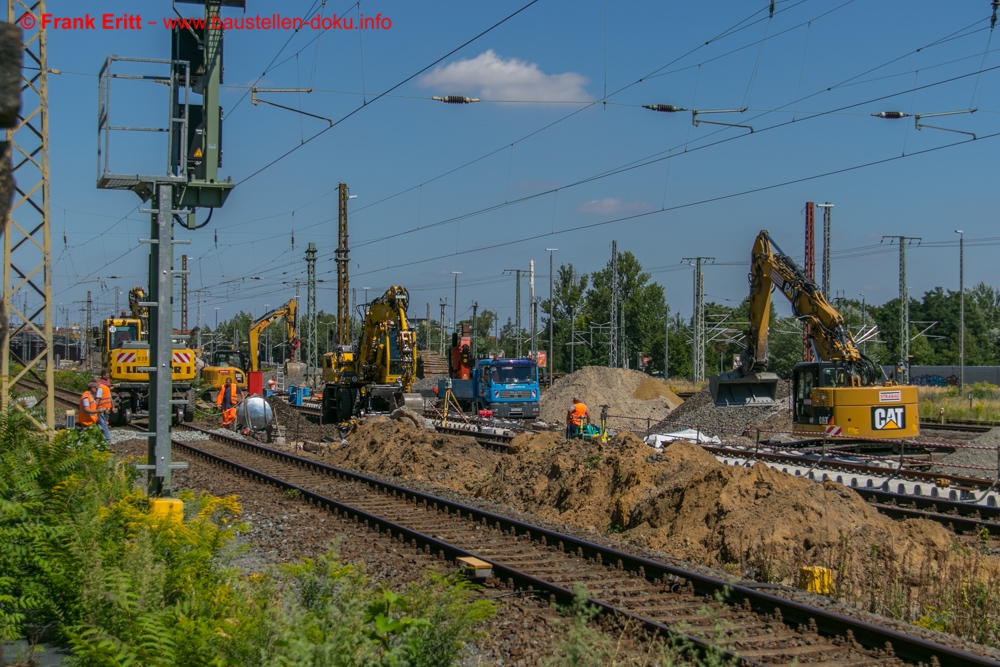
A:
[125,357]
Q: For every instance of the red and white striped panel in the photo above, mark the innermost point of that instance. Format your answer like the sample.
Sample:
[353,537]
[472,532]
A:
[833,431]
[182,357]
[126,357]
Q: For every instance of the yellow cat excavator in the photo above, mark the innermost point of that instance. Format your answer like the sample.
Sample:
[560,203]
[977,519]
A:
[376,375]
[838,395]
[291,337]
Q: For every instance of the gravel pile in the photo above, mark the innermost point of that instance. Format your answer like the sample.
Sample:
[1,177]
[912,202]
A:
[974,458]
[699,411]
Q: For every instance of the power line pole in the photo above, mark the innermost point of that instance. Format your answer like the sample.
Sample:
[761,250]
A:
[89,347]
[532,313]
[961,317]
[810,271]
[666,344]
[827,209]
[550,362]
[343,258]
[427,328]
[198,324]
[698,319]
[311,328]
[517,310]
[27,224]
[444,304]
[613,340]
[475,308]
[904,308]
[184,293]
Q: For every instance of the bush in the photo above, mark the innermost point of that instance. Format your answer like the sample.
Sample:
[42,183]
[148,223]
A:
[85,564]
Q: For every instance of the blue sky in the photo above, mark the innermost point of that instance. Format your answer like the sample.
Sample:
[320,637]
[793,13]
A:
[538,164]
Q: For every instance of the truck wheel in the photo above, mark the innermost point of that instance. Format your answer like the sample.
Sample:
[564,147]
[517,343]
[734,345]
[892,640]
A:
[188,414]
[125,417]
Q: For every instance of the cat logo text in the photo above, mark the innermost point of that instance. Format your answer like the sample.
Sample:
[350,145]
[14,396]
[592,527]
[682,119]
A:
[888,418]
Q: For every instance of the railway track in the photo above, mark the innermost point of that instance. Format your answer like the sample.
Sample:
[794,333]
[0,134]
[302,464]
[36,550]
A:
[660,597]
[65,397]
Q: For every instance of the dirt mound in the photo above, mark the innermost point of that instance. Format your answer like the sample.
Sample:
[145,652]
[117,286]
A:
[689,505]
[699,411]
[401,449]
[627,393]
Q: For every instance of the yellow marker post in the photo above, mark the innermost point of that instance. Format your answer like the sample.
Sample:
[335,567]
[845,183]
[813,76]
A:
[816,579]
[168,509]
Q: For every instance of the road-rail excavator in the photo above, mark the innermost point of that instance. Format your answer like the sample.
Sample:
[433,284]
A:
[237,365]
[840,395]
[125,356]
[376,375]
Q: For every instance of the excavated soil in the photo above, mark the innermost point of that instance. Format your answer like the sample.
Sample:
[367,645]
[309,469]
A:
[681,501]
[633,398]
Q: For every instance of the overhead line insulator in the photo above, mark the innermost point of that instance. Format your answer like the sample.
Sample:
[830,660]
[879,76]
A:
[455,99]
[665,108]
[891,114]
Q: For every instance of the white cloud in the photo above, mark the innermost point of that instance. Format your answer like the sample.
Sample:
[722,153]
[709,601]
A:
[612,206]
[493,78]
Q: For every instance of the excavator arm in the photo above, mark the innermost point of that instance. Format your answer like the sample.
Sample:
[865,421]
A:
[288,312]
[387,350]
[750,383]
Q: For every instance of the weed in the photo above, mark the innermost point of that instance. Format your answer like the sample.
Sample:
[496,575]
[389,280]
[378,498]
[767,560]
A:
[592,460]
[293,494]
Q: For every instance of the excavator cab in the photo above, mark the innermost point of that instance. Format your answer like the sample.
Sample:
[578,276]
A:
[735,389]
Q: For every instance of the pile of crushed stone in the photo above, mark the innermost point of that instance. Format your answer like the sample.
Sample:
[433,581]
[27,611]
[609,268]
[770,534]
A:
[681,501]
[699,411]
[632,397]
[972,461]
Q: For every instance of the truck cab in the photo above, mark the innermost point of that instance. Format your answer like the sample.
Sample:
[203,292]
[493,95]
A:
[506,387]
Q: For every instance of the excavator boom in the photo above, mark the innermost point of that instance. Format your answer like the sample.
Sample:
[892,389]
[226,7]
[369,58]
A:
[770,268]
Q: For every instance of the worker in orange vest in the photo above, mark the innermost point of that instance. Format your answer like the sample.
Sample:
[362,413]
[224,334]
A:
[228,397]
[574,419]
[86,411]
[103,398]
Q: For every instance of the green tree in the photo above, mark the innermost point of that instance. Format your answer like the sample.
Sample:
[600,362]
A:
[566,303]
[642,307]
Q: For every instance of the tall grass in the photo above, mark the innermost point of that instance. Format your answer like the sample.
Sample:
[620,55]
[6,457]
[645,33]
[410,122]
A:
[980,404]
[957,592]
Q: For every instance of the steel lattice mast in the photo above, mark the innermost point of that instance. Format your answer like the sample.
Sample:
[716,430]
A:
[27,269]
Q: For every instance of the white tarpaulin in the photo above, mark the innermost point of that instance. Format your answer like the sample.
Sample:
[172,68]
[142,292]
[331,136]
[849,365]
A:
[657,440]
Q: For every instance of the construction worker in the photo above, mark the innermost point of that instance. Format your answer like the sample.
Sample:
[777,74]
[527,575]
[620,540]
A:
[86,411]
[272,386]
[103,397]
[575,417]
[228,397]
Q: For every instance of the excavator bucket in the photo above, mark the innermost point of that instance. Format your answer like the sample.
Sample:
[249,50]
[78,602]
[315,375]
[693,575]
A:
[734,389]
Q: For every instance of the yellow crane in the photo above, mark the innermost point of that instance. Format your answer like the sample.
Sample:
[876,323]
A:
[840,394]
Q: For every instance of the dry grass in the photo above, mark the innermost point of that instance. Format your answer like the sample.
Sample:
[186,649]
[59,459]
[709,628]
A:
[685,386]
[980,404]
[957,592]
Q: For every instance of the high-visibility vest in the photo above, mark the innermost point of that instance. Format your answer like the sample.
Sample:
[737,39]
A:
[104,397]
[86,413]
[579,412]
[232,396]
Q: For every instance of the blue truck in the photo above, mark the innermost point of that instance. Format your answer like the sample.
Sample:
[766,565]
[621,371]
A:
[507,387]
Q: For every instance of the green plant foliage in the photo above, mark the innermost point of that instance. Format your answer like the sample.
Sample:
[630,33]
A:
[85,564]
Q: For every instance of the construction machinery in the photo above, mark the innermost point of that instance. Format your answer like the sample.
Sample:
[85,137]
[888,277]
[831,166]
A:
[125,356]
[494,387]
[288,311]
[229,363]
[376,374]
[841,394]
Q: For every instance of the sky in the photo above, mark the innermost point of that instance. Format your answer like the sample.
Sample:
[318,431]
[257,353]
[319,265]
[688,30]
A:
[559,153]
